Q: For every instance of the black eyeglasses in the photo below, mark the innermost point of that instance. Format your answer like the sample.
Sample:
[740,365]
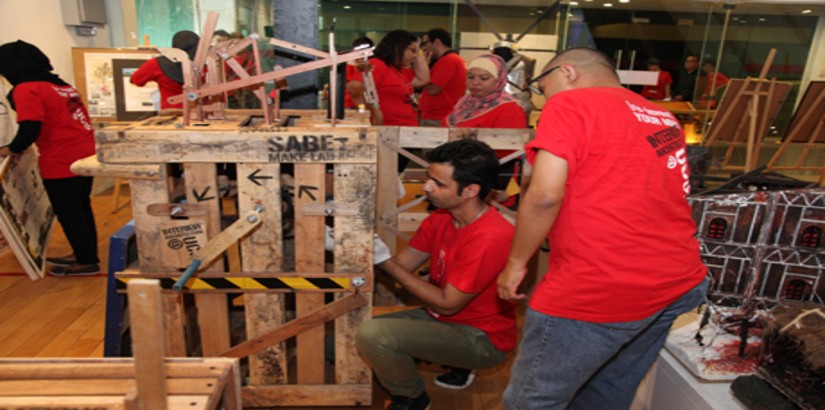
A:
[533,85]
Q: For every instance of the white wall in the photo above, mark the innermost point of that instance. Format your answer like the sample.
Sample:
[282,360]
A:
[40,22]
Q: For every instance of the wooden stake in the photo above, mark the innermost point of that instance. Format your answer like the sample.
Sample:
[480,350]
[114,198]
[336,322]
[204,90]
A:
[147,334]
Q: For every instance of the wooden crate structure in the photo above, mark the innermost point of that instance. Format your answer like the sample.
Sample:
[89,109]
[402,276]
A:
[287,301]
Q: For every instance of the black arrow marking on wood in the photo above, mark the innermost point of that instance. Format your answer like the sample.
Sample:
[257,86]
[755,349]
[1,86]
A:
[202,197]
[307,189]
[254,177]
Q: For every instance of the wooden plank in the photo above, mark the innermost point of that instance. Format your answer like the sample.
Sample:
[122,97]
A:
[431,137]
[340,145]
[91,167]
[311,395]
[262,251]
[213,313]
[27,369]
[189,402]
[386,199]
[147,332]
[91,387]
[298,325]
[353,253]
[309,257]
[148,238]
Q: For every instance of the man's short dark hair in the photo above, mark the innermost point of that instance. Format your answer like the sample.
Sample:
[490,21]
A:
[473,162]
[440,34]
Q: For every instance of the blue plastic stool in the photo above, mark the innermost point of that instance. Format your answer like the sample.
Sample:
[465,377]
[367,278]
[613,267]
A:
[122,252]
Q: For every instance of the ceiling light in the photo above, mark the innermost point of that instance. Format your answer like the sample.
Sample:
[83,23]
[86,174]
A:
[574,3]
[347,7]
[607,4]
[806,11]
[624,1]
[762,19]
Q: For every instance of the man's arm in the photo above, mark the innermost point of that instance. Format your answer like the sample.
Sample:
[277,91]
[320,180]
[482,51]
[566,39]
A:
[536,215]
[401,267]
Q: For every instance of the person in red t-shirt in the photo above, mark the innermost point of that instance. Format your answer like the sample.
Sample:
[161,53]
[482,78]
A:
[489,105]
[463,323]
[660,91]
[447,77]
[608,190]
[397,69]
[166,73]
[51,114]
[710,83]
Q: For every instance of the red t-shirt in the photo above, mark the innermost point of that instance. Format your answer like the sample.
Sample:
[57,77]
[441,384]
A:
[66,133]
[449,73]
[150,71]
[395,91]
[470,259]
[623,244]
[657,92]
[507,115]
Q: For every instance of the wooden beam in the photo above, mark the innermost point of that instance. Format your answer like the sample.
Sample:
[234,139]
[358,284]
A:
[298,325]
[147,334]
[308,395]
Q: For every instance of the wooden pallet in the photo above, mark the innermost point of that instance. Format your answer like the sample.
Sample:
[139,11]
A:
[292,300]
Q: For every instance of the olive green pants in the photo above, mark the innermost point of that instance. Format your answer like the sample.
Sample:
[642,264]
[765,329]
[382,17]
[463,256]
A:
[389,344]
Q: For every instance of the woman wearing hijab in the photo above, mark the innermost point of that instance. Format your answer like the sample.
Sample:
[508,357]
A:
[166,73]
[487,104]
[51,114]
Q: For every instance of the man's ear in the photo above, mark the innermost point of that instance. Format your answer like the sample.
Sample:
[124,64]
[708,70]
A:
[471,191]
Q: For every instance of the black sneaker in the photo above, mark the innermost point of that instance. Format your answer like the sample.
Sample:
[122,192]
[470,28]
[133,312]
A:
[421,402]
[62,261]
[455,378]
[76,270]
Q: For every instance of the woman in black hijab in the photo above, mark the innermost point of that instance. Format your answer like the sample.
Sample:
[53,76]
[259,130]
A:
[51,114]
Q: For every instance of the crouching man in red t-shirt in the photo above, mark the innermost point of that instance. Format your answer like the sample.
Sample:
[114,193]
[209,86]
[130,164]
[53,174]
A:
[463,325]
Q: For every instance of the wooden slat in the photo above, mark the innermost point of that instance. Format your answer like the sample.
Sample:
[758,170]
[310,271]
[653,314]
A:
[309,257]
[189,402]
[147,332]
[213,315]
[148,237]
[262,251]
[341,145]
[299,325]
[312,395]
[353,253]
[104,387]
[386,199]
[91,167]
[26,369]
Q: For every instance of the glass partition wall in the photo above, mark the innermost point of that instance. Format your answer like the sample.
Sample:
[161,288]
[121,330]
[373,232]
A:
[736,38]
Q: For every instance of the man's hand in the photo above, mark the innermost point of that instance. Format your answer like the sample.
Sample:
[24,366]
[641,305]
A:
[381,253]
[508,282]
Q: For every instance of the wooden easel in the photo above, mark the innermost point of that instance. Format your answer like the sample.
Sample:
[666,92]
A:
[809,120]
[747,109]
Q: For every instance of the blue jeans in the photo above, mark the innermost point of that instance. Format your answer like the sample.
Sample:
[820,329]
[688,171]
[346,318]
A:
[565,363]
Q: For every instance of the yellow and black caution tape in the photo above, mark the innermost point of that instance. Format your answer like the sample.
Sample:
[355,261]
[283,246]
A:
[252,283]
